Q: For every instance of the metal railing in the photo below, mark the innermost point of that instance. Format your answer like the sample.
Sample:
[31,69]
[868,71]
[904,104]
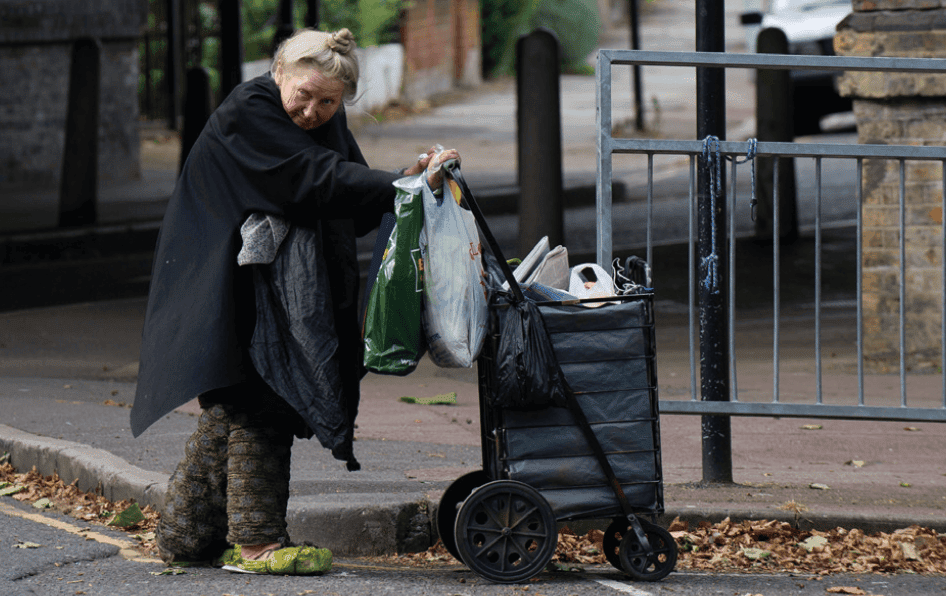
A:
[608,146]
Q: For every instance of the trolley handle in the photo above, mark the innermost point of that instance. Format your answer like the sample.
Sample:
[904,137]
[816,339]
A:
[453,170]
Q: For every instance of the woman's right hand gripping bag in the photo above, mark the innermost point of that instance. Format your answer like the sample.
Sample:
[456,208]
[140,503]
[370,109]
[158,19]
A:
[455,310]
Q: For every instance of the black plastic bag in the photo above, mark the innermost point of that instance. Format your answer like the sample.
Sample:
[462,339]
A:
[527,372]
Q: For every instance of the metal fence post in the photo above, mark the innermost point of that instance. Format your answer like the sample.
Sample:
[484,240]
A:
[539,118]
[714,340]
[634,22]
[80,162]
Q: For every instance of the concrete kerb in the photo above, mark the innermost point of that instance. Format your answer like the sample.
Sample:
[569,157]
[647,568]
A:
[364,525]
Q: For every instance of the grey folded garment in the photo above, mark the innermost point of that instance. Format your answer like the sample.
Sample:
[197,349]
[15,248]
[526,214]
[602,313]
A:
[262,235]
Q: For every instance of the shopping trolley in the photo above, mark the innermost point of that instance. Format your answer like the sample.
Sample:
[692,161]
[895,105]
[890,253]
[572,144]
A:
[595,454]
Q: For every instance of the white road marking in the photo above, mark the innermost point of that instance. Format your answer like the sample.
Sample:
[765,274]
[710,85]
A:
[621,587]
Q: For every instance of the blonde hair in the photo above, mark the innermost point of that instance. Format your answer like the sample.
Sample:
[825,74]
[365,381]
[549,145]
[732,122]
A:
[331,53]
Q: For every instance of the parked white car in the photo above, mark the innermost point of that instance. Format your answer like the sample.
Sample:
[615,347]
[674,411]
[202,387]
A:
[809,26]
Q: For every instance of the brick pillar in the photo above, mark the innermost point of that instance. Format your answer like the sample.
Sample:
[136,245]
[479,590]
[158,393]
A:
[899,109]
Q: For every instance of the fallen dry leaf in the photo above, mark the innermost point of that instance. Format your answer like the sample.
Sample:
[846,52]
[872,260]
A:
[909,551]
[43,503]
[845,590]
[130,516]
[813,542]
[754,554]
[793,506]
[11,489]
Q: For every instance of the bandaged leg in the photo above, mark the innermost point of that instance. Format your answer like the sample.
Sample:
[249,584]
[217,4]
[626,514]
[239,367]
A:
[258,478]
[193,525]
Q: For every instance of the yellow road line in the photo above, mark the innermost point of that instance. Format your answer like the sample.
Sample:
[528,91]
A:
[125,548]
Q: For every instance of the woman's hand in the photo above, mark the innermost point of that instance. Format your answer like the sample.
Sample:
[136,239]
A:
[422,162]
[431,162]
[434,173]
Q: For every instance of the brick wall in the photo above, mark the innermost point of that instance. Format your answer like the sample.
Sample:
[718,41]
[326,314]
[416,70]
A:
[899,109]
[469,57]
[441,46]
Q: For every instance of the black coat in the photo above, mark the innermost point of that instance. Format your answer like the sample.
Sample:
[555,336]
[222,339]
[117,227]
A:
[249,158]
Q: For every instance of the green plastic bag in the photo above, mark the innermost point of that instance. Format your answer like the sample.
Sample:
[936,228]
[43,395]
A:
[394,341]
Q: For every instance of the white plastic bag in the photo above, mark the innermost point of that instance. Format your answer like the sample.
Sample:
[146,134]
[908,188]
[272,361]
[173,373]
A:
[455,312]
[590,280]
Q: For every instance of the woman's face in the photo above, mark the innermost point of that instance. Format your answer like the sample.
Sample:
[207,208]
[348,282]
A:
[308,96]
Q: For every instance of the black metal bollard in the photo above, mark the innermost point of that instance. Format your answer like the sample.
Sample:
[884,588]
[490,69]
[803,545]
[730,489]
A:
[775,122]
[539,118]
[80,159]
[714,339]
[231,48]
[197,109]
[312,14]
[174,64]
[285,28]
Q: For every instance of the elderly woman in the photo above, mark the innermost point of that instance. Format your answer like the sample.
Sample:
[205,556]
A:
[278,149]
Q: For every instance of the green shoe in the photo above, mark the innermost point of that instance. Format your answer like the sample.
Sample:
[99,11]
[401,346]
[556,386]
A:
[292,560]
[231,556]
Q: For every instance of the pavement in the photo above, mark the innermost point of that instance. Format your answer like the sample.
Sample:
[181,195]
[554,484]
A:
[67,372]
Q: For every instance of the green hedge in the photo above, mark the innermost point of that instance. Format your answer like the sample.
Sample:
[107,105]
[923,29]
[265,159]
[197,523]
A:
[576,23]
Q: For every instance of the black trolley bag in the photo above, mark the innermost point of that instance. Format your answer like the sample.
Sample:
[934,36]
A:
[590,451]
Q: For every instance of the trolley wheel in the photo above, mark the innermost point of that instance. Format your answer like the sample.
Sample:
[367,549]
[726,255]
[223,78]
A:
[506,532]
[450,503]
[642,566]
[612,541]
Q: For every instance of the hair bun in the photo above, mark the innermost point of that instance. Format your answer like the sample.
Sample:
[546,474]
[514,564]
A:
[342,41]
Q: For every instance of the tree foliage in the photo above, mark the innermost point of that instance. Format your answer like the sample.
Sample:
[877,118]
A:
[373,22]
[576,23]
